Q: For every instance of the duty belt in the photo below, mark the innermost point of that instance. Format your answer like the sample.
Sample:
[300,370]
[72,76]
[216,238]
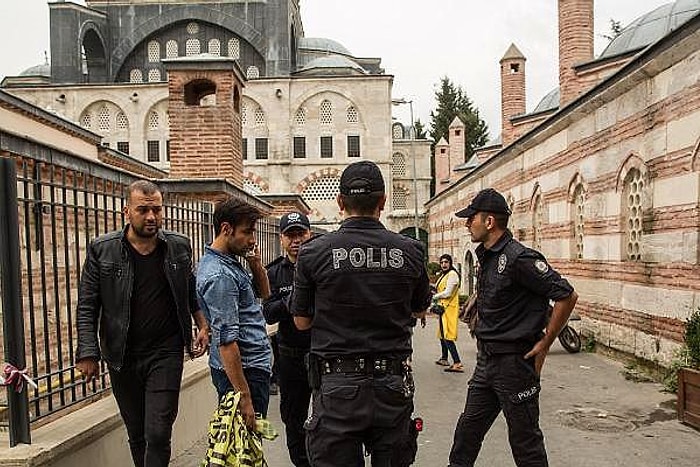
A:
[293,352]
[362,365]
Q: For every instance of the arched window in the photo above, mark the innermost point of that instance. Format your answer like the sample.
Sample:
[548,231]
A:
[153,76]
[259,116]
[153,51]
[397,130]
[398,168]
[135,76]
[537,221]
[153,120]
[122,121]
[192,47]
[326,112]
[214,47]
[399,198]
[86,120]
[103,119]
[352,116]
[171,49]
[633,198]
[300,117]
[577,217]
[252,72]
[234,48]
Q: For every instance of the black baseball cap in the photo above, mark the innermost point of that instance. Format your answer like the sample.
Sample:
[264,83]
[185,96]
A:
[361,178]
[487,200]
[294,220]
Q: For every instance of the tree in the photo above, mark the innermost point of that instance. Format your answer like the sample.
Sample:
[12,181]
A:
[420,129]
[615,30]
[453,102]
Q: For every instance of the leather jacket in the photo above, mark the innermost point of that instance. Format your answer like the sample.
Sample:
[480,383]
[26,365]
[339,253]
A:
[104,298]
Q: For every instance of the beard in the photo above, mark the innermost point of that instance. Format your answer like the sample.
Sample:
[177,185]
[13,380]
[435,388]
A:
[146,230]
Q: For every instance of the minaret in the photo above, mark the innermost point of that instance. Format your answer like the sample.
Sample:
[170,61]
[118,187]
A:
[512,91]
[575,45]
[205,118]
[442,165]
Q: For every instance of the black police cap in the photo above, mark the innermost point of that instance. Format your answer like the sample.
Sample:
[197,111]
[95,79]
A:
[487,200]
[361,178]
[294,220]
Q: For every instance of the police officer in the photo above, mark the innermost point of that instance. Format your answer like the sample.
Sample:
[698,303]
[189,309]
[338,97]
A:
[357,289]
[293,344]
[515,286]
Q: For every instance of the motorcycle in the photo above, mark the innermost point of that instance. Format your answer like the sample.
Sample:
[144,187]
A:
[568,337]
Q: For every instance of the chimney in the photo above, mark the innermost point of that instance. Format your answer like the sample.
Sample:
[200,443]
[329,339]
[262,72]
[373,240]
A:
[204,105]
[457,141]
[575,44]
[512,91]
[442,165]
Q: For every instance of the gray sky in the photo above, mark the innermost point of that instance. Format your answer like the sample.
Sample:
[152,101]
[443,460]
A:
[418,41]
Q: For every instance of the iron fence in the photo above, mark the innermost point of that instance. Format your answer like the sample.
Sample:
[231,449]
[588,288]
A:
[61,208]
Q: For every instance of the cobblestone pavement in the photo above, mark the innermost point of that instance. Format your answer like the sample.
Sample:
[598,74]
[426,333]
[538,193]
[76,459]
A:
[591,415]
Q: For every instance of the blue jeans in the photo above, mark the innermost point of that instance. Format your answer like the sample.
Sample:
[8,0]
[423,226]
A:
[258,382]
[450,346]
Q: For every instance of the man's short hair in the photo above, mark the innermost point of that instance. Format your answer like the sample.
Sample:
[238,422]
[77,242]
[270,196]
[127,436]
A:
[144,186]
[234,212]
[500,218]
[363,205]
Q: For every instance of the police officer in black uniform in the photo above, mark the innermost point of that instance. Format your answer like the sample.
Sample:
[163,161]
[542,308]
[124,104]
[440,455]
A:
[515,286]
[357,289]
[293,344]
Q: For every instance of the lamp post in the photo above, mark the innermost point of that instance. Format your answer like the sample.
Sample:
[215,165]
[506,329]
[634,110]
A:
[411,136]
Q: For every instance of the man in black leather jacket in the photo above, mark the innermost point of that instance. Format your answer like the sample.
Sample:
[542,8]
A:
[293,344]
[137,293]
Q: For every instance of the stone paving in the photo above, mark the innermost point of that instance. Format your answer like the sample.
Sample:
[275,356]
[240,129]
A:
[591,415]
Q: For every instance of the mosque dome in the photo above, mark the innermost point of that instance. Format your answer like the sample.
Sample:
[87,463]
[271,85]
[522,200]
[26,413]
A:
[38,70]
[332,64]
[652,26]
[321,44]
[548,102]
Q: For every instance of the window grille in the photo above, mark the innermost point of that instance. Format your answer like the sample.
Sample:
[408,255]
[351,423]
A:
[300,117]
[634,188]
[252,72]
[244,114]
[537,220]
[326,147]
[153,76]
[244,148]
[578,220]
[259,116]
[135,76]
[153,51]
[171,49]
[398,169]
[214,47]
[326,112]
[103,118]
[86,121]
[397,131]
[299,147]
[234,48]
[192,28]
[153,151]
[153,120]
[261,148]
[251,187]
[322,189]
[352,115]
[353,146]
[192,47]
[400,198]
[123,146]
[122,122]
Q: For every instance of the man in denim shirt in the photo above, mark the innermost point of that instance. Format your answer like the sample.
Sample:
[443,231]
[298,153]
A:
[240,349]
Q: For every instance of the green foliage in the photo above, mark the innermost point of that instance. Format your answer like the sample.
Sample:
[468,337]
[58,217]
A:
[692,339]
[615,30]
[687,356]
[420,129]
[433,269]
[453,102]
[588,344]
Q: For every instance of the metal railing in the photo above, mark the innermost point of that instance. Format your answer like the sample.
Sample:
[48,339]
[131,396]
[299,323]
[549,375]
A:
[61,208]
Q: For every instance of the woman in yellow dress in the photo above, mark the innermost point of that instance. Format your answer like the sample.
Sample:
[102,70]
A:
[448,296]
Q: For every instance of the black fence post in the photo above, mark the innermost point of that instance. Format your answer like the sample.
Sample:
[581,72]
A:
[13,319]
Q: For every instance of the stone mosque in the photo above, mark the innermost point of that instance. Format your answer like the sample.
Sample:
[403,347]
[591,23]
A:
[309,107]
[603,176]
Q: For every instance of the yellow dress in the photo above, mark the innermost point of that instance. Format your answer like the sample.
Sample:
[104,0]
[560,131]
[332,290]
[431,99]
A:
[450,316]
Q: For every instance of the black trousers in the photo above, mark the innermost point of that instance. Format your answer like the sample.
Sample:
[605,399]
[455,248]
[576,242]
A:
[505,382]
[349,410]
[147,390]
[295,395]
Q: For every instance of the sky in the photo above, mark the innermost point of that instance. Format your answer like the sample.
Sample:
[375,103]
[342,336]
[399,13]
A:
[418,41]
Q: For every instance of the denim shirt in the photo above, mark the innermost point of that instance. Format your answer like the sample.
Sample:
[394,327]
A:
[225,295]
